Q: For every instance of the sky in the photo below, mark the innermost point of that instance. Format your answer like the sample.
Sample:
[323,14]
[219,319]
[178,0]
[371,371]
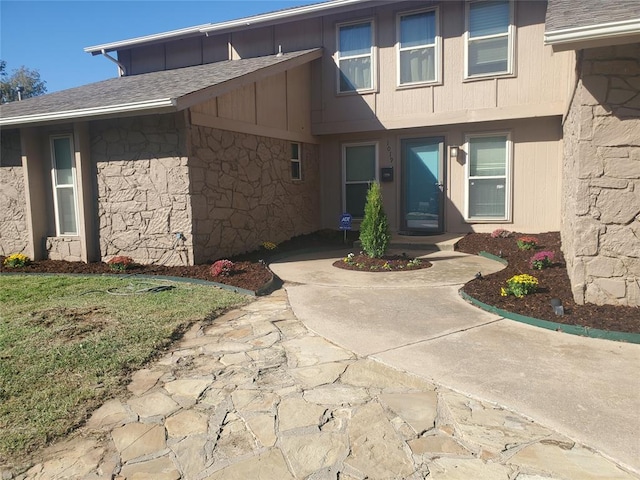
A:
[50,35]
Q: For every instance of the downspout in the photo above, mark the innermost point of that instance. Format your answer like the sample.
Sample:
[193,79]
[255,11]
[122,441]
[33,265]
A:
[121,69]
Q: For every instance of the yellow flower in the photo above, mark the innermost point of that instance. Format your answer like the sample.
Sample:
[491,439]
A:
[503,292]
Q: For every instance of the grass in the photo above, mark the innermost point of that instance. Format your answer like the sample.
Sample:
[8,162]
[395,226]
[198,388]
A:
[66,345]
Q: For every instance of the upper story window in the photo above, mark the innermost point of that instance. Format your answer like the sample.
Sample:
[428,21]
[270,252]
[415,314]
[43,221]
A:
[418,45]
[489,45]
[63,174]
[488,177]
[296,170]
[355,57]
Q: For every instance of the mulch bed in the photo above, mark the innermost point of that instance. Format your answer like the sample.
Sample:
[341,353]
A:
[387,263]
[553,283]
[251,274]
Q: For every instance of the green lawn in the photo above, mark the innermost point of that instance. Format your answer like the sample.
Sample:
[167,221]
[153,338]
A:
[67,344]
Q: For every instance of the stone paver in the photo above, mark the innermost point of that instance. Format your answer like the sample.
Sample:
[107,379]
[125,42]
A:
[264,398]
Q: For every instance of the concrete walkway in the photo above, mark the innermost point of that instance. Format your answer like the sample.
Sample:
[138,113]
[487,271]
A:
[257,395]
[587,389]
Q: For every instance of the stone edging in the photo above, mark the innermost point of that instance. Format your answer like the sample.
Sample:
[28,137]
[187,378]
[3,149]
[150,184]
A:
[559,327]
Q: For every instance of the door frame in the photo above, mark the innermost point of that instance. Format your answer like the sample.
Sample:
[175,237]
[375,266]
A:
[404,229]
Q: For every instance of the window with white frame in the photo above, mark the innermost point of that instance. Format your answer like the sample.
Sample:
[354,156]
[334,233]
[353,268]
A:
[64,185]
[296,170]
[489,45]
[359,166]
[355,57]
[418,43]
[488,177]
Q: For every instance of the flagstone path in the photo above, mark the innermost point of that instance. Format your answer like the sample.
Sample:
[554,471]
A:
[255,395]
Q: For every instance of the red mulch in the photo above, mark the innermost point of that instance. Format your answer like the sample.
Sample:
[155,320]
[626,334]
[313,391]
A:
[553,283]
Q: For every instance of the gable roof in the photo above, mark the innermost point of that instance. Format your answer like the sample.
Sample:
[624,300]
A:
[162,91]
[261,20]
[573,21]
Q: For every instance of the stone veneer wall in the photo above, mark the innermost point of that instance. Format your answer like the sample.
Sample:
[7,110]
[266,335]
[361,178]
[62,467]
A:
[13,214]
[243,195]
[143,188]
[601,204]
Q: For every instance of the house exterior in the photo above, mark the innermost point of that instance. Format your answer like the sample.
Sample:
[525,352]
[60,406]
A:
[601,161]
[219,137]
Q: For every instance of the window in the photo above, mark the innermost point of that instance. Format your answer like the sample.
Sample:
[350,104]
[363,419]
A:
[355,57]
[417,47]
[489,46]
[487,172]
[296,170]
[64,185]
[360,167]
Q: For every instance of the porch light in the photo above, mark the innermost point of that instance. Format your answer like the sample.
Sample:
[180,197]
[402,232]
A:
[453,152]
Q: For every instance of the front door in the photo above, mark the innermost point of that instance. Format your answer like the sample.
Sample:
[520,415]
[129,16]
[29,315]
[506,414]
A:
[422,185]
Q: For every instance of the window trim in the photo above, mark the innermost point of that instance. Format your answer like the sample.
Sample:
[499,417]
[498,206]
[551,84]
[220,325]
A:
[511,35]
[298,161]
[371,55]
[507,176]
[344,170]
[55,186]
[437,49]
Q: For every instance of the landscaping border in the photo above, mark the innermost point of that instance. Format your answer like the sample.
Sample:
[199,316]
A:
[546,324]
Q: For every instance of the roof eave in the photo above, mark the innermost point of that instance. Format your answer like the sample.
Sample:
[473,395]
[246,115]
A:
[265,19]
[158,106]
[592,32]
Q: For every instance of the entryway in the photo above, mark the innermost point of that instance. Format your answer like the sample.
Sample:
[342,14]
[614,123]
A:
[422,186]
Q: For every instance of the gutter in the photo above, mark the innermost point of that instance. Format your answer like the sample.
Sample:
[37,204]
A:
[89,112]
[253,21]
[593,32]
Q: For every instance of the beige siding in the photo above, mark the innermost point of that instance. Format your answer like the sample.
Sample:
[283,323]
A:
[271,101]
[252,43]
[147,59]
[298,35]
[184,53]
[215,48]
[539,87]
[535,174]
[239,104]
[278,106]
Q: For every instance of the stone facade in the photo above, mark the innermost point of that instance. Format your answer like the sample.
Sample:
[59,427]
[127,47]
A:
[243,194]
[13,215]
[142,189]
[64,248]
[601,205]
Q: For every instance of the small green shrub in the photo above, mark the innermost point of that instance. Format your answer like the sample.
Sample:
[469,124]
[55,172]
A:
[374,230]
[527,243]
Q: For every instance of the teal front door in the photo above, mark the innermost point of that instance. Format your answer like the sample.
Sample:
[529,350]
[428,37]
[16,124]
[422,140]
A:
[422,185]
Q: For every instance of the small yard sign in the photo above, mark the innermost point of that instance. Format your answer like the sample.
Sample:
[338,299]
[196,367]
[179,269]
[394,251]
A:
[345,221]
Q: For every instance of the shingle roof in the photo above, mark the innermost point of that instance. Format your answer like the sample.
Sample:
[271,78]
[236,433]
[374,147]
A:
[564,14]
[144,91]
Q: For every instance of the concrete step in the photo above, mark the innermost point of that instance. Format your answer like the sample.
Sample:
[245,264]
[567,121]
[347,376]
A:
[444,242]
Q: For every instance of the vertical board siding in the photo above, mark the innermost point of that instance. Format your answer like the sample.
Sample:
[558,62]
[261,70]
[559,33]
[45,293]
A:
[256,42]
[300,35]
[239,104]
[271,101]
[184,53]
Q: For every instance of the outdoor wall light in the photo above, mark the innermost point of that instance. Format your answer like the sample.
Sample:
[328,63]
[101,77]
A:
[556,304]
[453,152]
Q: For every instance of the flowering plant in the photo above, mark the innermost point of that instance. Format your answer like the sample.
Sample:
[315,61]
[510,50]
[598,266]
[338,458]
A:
[120,263]
[16,260]
[527,243]
[542,260]
[349,259]
[269,245]
[500,233]
[520,285]
[222,268]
